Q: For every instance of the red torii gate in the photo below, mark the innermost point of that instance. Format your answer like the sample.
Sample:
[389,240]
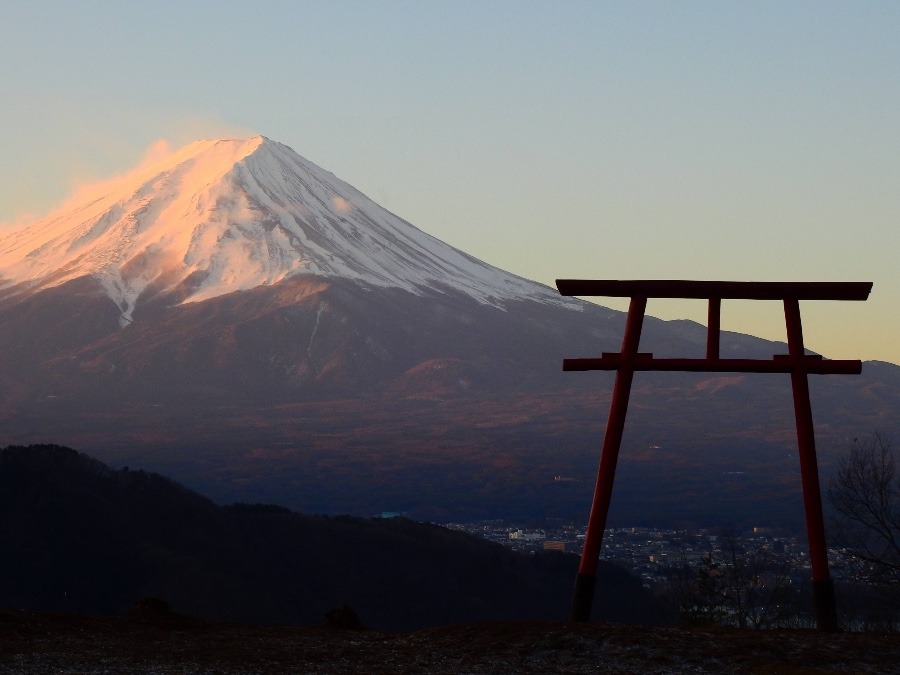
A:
[797,363]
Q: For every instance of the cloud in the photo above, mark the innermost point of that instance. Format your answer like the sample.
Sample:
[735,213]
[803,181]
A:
[157,150]
[341,205]
[86,189]
[20,220]
[57,164]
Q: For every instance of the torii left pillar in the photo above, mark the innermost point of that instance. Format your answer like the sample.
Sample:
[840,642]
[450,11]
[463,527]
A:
[586,580]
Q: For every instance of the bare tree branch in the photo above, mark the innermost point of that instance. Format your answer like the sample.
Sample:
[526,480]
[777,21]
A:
[865,493]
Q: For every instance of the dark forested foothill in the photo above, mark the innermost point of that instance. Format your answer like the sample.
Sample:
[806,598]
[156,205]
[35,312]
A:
[80,537]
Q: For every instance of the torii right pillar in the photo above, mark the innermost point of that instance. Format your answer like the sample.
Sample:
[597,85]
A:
[796,363]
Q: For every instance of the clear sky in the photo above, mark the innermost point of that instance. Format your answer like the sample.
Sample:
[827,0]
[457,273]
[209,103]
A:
[622,140]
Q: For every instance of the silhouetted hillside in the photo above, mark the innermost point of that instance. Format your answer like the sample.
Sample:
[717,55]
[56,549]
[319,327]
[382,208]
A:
[80,537]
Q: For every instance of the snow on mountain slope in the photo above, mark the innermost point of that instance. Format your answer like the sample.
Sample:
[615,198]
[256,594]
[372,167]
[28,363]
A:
[227,215]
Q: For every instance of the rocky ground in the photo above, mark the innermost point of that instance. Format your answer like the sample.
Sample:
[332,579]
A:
[161,642]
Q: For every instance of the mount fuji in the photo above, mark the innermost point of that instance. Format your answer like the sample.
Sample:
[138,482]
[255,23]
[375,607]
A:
[241,319]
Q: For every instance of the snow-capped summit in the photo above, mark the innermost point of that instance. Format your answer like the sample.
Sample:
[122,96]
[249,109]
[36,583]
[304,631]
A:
[227,215]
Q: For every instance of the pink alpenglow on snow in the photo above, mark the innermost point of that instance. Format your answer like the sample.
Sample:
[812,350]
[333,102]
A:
[226,215]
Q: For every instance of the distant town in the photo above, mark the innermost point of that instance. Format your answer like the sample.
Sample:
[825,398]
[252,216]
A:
[653,554]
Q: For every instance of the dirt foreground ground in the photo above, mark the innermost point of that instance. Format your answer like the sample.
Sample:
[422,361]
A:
[41,642]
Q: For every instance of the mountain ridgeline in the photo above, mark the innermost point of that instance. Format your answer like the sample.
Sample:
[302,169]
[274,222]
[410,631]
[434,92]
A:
[80,537]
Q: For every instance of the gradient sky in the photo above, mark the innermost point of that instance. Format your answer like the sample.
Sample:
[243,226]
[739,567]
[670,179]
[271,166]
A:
[622,140]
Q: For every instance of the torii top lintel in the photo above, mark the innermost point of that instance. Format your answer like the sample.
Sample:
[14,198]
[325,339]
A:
[715,291]
[732,290]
